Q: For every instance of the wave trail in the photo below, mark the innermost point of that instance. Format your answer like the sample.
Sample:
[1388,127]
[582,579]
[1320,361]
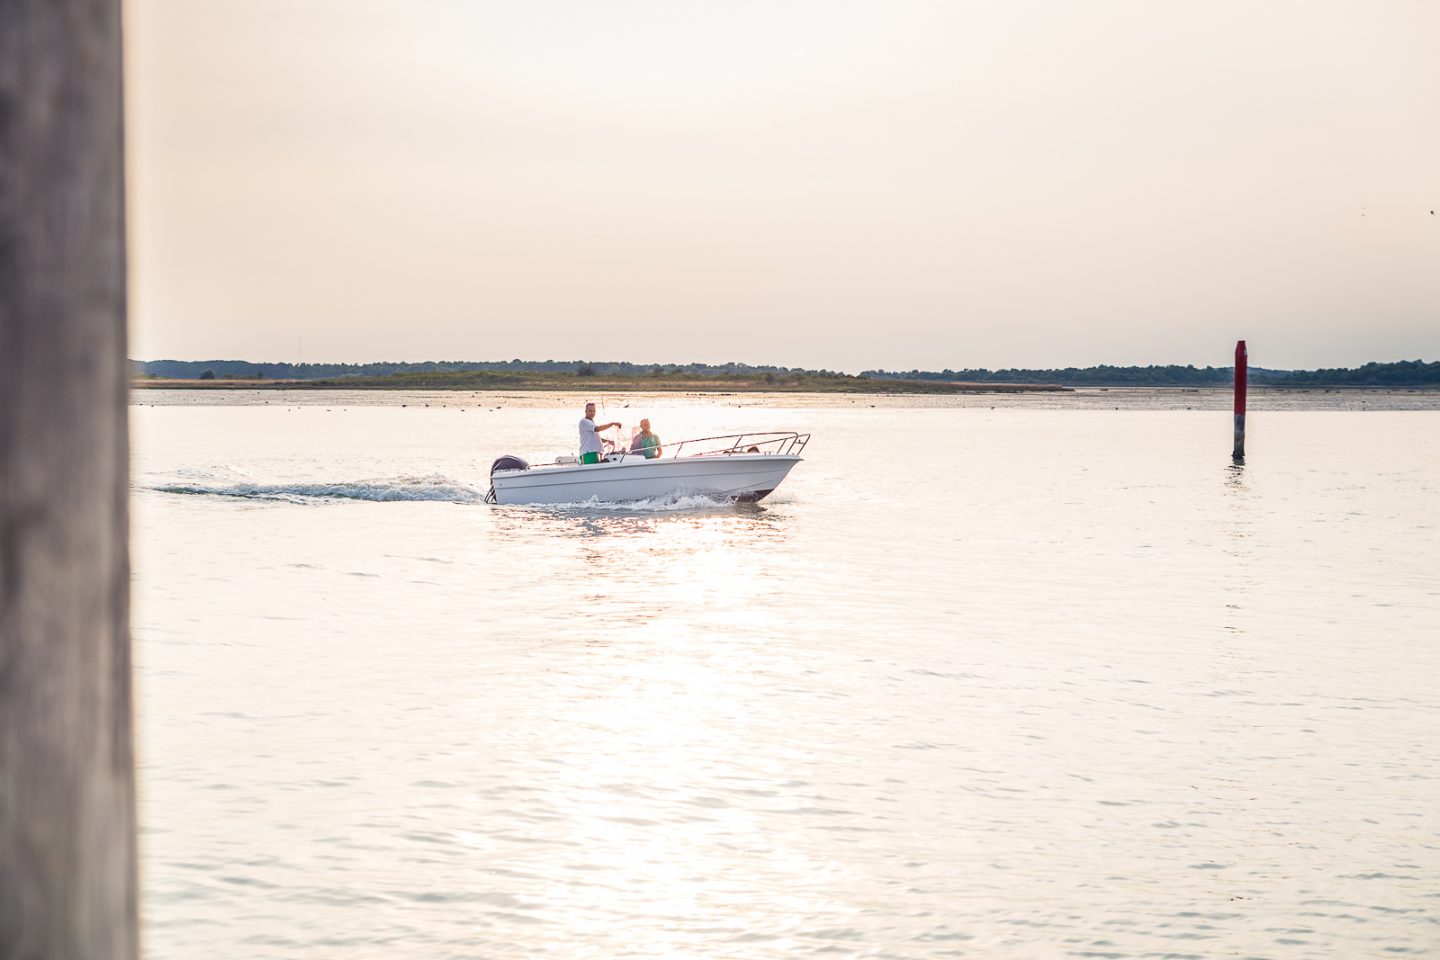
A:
[439,489]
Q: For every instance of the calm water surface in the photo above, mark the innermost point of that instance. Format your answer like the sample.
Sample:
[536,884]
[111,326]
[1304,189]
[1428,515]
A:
[1032,681]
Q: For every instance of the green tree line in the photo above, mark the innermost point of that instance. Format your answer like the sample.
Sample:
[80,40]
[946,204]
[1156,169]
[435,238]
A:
[1404,373]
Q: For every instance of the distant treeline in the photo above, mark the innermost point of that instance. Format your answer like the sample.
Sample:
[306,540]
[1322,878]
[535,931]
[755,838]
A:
[1405,373]
[1102,376]
[248,370]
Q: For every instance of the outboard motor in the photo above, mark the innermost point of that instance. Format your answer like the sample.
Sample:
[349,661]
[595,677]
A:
[505,462]
[508,462]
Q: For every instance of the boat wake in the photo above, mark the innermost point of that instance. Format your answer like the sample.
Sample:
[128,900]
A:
[435,489]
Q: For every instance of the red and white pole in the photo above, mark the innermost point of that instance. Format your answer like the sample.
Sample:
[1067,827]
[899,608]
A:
[1242,363]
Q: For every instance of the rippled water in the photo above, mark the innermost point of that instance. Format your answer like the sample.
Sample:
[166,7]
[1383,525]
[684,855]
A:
[1023,682]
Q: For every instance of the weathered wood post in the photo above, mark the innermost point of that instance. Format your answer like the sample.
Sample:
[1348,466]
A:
[67,795]
[1242,372]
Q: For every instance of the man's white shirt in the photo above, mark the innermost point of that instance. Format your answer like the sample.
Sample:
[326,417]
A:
[589,439]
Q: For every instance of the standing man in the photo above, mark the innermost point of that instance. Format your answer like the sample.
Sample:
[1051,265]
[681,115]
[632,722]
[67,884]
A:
[590,435]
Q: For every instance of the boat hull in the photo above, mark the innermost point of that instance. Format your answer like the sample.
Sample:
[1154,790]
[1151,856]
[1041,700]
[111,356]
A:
[739,477]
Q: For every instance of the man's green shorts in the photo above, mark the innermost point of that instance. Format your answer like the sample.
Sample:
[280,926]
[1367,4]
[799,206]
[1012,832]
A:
[589,458]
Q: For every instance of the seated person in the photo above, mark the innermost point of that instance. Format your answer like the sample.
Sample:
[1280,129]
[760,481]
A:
[645,443]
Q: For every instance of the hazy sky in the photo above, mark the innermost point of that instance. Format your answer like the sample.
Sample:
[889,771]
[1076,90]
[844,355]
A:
[846,185]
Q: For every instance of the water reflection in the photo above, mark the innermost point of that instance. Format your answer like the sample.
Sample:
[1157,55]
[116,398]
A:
[588,522]
[1237,579]
[626,569]
[1235,477]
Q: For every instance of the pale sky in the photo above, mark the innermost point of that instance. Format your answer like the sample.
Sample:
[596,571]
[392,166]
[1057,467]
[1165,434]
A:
[825,184]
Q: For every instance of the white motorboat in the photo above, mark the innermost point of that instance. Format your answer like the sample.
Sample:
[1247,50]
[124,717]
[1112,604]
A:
[742,467]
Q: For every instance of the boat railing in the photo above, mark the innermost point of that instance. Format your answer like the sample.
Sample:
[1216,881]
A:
[781,443]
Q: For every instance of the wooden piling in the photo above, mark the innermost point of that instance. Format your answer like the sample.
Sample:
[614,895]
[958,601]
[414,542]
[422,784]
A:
[67,795]
[1242,364]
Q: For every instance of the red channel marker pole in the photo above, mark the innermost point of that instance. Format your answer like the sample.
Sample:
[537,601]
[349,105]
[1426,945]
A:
[1242,362]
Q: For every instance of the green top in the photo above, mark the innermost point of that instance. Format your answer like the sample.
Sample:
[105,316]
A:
[648,446]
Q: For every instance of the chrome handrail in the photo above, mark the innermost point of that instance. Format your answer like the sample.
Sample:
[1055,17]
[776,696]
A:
[785,443]
[774,443]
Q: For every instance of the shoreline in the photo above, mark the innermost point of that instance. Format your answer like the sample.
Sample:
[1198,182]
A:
[1213,399]
[512,383]
[712,385]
